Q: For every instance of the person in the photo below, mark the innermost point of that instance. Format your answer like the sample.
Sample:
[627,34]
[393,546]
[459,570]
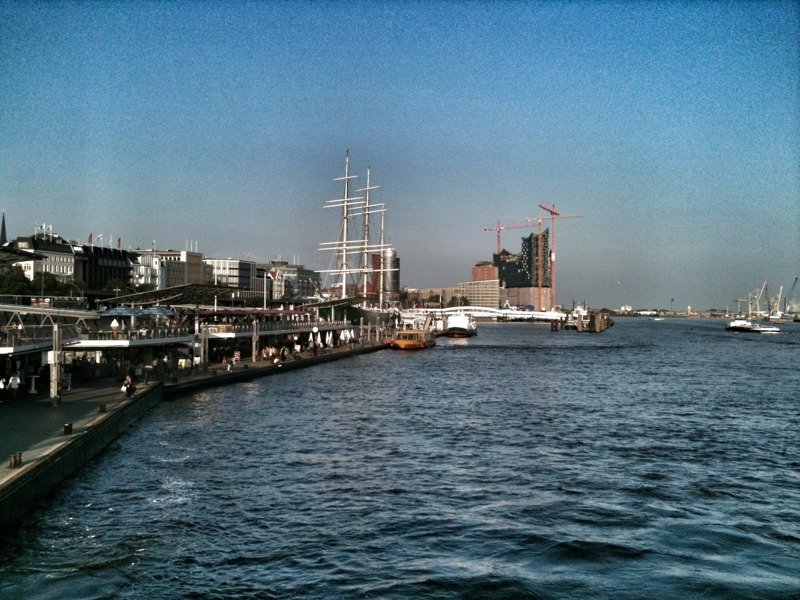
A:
[128,386]
[2,389]
[13,383]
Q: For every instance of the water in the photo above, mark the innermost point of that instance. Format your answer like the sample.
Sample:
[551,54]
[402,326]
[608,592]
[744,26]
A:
[655,460]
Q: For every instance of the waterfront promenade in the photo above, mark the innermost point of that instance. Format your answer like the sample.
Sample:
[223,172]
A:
[40,429]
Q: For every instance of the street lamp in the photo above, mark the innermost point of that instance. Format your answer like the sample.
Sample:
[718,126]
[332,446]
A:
[117,290]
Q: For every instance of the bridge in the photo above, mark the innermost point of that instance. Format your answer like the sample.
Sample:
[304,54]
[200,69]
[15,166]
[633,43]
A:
[482,312]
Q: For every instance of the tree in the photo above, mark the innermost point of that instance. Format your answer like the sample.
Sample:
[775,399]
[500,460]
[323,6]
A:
[47,284]
[458,301]
[115,284]
[13,282]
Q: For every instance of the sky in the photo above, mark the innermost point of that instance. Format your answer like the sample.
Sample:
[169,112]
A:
[673,128]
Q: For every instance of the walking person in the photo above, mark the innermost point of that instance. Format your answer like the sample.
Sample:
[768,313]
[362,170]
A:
[13,383]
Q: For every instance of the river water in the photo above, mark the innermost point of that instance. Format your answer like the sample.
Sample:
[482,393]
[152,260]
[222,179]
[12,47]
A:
[654,460]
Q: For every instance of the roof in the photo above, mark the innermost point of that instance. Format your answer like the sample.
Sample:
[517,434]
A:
[192,293]
[9,256]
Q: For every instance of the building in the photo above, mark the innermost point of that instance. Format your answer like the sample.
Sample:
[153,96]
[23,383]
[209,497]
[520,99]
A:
[484,293]
[291,280]
[104,265]
[169,268]
[385,271]
[485,271]
[526,277]
[59,257]
[231,272]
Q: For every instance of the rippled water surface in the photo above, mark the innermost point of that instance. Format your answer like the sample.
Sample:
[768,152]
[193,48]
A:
[655,460]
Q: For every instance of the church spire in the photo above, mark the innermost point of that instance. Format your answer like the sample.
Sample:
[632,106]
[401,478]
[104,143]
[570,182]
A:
[3,239]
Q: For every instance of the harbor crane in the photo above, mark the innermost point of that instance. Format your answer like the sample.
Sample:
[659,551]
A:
[554,214]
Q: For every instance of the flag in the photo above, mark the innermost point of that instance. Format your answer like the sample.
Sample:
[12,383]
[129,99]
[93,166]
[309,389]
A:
[119,243]
[90,239]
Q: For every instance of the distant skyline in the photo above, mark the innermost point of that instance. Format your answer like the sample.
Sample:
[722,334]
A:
[673,128]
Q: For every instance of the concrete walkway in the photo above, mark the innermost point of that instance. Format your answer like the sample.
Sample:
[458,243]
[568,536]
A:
[31,419]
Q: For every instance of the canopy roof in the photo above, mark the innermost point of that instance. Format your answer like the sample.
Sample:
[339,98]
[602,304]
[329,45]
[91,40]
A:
[129,311]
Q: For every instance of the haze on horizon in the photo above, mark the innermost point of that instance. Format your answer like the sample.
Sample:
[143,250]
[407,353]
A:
[673,128]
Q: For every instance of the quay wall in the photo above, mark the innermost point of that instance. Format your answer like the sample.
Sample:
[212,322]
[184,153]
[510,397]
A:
[56,459]
[247,371]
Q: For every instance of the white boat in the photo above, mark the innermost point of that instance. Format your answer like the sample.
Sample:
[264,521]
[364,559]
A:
[460,325]
[746,326]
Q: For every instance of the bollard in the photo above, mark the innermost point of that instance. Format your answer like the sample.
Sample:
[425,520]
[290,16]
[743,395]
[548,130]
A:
[101,407]
[19,459]
[11,461]
[67,428]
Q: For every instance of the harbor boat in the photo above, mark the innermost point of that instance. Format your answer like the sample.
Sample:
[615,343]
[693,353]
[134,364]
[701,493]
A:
[413,339]
[460,326]
[743,325]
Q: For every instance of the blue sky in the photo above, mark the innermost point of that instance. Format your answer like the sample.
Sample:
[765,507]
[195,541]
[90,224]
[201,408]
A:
[672,127]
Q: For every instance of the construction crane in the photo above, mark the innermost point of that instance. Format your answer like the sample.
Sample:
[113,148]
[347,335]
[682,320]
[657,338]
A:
[554,214]
[500,228]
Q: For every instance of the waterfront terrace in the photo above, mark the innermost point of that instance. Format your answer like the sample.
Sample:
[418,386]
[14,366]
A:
[138,339]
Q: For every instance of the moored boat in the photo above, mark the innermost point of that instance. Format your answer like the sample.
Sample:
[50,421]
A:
[460,326]
[413,339]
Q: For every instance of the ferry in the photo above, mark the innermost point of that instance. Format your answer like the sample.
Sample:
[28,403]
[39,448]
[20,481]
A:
[743,325]
[460,326]
[413,339]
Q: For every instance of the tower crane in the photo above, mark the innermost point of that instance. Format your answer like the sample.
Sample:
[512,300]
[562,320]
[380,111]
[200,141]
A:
[554,214]
[500,228]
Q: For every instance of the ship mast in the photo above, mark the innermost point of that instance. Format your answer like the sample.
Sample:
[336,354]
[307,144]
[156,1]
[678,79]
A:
[352,207]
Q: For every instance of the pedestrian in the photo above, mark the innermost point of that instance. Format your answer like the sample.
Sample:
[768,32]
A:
[128,386]
[2,389]
[13,383]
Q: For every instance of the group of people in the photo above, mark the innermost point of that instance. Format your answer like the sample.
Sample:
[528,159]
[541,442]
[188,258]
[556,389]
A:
[10,385]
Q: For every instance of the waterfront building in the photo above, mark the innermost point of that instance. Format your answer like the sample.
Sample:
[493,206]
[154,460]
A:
[526,268]
[526,277]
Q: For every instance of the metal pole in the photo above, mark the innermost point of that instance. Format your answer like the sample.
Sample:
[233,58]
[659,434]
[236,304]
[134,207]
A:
[55,367]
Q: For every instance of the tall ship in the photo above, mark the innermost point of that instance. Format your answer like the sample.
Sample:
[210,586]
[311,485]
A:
[362,263]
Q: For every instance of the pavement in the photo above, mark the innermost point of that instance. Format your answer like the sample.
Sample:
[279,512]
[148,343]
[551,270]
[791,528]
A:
[32,418]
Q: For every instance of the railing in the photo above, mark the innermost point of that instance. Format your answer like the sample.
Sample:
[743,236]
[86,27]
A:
[30,334]
[13,336]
